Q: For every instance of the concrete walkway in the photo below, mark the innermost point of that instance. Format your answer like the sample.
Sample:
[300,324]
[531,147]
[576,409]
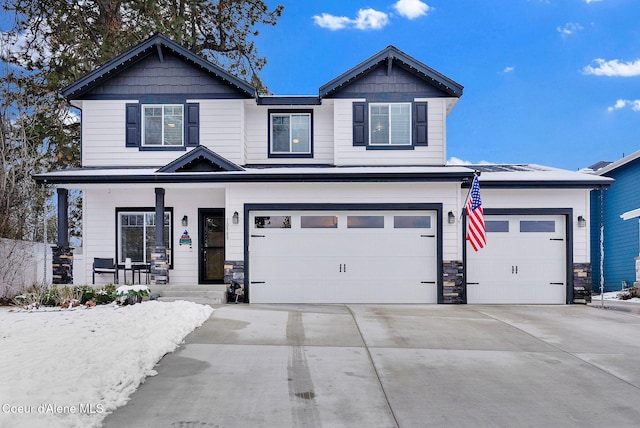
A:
[398,366]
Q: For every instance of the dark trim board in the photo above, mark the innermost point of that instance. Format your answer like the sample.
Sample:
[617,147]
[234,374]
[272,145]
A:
[250,177]
[344,207]
[566,212]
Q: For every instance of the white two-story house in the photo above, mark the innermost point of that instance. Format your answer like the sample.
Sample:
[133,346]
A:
[339,197]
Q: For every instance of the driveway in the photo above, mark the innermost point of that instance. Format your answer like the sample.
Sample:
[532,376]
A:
[398,366]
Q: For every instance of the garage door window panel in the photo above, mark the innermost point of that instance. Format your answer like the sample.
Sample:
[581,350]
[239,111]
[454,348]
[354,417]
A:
[319,222]
[365,222]
[548,226]
[412,222]
[496,226]
[273,222]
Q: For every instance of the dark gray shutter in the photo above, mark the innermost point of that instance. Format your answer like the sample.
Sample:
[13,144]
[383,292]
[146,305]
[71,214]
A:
[192,128]
[360,131]
[420,124]
[132,119]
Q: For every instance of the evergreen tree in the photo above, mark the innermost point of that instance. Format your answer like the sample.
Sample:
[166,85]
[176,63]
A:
[52,43]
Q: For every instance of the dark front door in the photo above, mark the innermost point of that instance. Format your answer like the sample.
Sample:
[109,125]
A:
[211,224]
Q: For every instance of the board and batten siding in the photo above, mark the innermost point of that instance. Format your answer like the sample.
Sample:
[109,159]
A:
[343,193]
[576,199]
[103,134]
[432,154]
[257,137]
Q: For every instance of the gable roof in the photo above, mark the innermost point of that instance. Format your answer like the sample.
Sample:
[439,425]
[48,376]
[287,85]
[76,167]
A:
[200,159]
[612,166]
[155,43]
[391,55]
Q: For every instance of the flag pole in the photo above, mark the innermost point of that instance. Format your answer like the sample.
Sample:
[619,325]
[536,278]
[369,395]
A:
[476,173]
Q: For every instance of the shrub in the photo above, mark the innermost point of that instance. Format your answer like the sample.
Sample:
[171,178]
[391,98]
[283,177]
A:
[105,295]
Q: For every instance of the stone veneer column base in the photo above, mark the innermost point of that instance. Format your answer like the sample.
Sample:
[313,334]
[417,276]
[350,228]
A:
[582,283]
[62,264]
[452,290]
[159,266]
[234,272]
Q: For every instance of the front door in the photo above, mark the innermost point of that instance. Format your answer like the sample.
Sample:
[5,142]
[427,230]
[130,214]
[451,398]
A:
[212,237]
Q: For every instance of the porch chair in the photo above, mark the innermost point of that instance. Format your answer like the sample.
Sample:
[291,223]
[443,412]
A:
[104,265]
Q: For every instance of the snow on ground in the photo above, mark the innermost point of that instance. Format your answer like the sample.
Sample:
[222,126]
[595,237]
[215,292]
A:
[613,295]
[70,368]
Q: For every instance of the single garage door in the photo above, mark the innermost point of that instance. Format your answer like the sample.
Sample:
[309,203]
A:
[524,261]
[342,257]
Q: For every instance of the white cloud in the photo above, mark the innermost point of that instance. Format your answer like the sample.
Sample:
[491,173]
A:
[367,19]
[411,9]
[371,19]
[461,162]
[592,1]
[331,22]
[620,104]
[508,69]
[569,29]
[613,68]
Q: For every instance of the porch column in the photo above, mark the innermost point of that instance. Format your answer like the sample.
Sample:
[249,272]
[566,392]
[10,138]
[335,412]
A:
[159,260]
[62,255]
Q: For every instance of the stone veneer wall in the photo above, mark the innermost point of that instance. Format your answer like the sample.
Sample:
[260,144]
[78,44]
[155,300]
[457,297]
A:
[159,266]
[582,282]
[62,264]
[452,274]
[234,272]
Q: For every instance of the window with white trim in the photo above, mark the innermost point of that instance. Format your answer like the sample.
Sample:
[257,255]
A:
[390,124]
[136,234]
[162,125]
[290,133]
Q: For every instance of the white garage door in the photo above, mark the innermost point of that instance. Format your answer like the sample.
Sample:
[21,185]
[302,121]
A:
[524,261]
[342,257]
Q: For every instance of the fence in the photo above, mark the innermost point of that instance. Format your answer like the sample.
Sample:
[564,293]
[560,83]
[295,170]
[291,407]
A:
[23,264]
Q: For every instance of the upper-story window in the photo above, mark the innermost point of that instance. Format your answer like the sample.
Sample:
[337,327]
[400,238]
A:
[162,125]
[390,124]
[290,133]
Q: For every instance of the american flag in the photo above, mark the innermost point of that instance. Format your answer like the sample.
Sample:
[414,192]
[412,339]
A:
[476,233]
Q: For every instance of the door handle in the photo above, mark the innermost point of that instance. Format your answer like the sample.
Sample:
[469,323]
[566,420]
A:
[343,267]
[340,267]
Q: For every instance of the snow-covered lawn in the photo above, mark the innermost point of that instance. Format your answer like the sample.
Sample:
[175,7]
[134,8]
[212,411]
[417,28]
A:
[70,368]
[613,295]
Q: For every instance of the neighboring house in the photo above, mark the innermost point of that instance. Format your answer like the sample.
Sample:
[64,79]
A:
[617,210]
[344,196]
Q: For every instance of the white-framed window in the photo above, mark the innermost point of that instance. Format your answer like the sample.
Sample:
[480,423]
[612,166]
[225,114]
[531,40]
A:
[390,124]
[290,133]
[136,234]
[162,125]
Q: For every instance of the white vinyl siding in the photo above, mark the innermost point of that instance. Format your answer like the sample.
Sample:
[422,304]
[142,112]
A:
[432,154]
[577,199]
[103,134]
[99,214]
[257,136]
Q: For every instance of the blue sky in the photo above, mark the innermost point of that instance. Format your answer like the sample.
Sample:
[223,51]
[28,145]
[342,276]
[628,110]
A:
[552,82]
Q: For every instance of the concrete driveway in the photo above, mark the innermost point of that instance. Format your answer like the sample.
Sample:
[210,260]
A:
[398,366]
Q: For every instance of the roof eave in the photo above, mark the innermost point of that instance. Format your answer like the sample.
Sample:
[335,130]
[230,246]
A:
[100,74]
[391,52]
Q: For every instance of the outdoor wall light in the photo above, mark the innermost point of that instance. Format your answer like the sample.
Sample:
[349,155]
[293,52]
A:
[185,220]
[582,222]
[235,218]
[451,217]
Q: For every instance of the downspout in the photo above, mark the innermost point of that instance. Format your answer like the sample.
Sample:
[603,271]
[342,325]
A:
[601,197]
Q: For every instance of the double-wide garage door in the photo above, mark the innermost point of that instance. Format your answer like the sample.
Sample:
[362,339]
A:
[343,257]
[524,261]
